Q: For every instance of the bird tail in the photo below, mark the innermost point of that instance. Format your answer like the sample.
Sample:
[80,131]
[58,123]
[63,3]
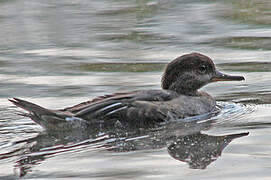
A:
[30,107]
[51,120]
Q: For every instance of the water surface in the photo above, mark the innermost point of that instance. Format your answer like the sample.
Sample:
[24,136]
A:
[59,53]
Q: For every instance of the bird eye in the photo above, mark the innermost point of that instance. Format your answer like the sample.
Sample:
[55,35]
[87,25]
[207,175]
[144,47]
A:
[202,69]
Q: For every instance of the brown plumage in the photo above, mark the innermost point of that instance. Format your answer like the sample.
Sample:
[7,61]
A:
[179,98]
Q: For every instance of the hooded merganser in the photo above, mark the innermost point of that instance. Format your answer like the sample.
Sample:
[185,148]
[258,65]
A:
[179,98]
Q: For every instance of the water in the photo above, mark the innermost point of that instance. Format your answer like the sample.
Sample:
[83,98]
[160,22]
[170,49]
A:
[47,52]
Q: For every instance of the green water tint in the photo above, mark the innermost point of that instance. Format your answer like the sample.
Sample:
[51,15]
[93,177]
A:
[2,63]
[249,11]
[246,66]
[142,9]
[150,67]
[134,36]
[244,42]
[121,67]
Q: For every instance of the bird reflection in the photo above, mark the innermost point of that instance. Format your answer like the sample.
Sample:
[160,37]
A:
[184,142]
[199,150]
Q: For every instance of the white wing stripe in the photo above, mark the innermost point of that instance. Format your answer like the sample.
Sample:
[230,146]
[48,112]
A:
[110,106]
[116,110]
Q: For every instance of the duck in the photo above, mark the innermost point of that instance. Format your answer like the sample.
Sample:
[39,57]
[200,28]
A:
[180,97]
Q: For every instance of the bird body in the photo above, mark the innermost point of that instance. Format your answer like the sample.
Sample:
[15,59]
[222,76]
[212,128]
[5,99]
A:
[179,98]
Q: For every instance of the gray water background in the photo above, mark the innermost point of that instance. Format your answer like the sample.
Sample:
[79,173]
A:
[47,51]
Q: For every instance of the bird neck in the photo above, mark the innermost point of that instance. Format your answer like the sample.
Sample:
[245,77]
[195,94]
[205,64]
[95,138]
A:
[187,84]
[184,90]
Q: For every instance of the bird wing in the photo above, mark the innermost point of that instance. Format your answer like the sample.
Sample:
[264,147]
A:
[104,106]
[99,100]
[111,104]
